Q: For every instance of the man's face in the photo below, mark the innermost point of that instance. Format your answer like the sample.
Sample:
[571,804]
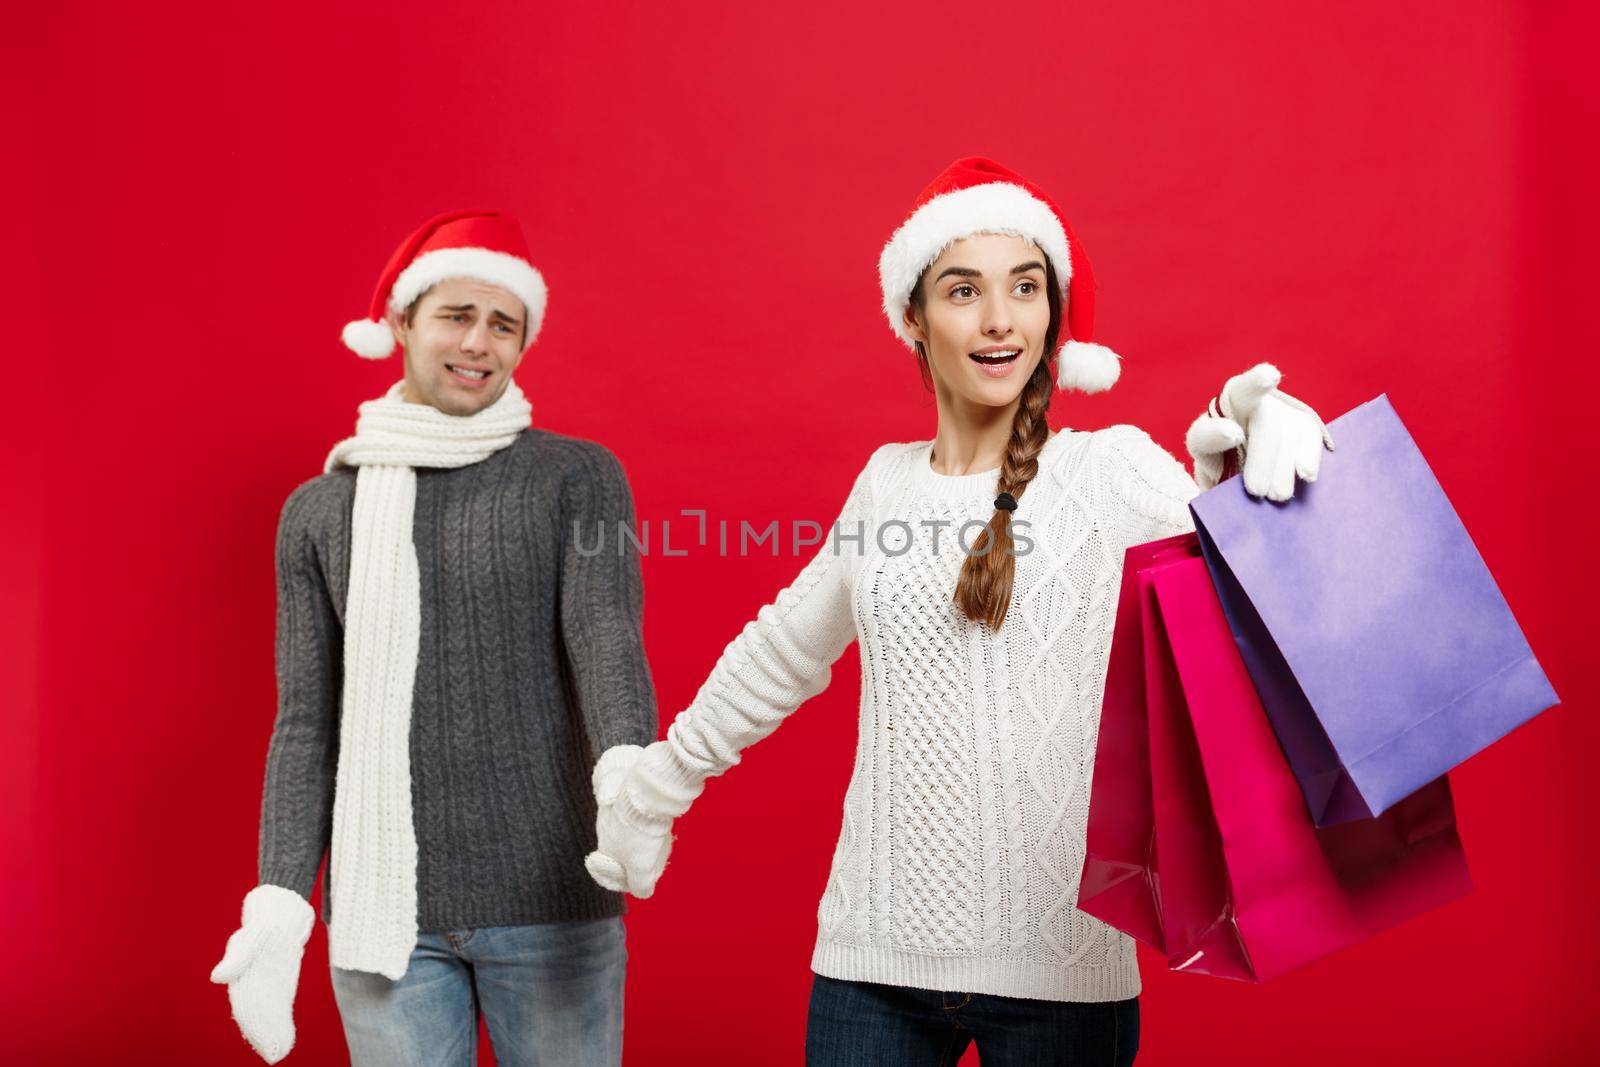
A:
[463,342]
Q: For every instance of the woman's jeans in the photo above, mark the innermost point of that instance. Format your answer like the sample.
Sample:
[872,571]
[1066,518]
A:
[861,1024]
[551,993]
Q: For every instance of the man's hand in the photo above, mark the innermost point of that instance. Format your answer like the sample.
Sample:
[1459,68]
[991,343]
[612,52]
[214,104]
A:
[261,967]
[632,846]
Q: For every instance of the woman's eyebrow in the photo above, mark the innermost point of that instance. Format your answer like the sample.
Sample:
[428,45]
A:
[961,272]
[1032,264]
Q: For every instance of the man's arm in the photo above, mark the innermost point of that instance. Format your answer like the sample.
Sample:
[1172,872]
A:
[261,965]
[602,605]
[302,757]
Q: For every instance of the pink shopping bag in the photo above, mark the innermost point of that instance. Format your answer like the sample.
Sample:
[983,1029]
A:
[1119,874]
[1221,868]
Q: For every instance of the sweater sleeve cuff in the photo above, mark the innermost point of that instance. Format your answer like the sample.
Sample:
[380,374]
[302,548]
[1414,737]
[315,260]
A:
[664,786]
[290,875]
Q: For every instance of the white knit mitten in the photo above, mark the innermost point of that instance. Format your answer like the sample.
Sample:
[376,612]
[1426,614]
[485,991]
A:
[1210,440]
[261,967]
[636,802]
[1282,437]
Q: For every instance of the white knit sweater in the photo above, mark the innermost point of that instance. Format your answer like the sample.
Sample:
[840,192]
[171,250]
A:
[963,835]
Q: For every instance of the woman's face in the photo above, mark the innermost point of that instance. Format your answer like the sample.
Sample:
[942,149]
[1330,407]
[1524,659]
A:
[984,317]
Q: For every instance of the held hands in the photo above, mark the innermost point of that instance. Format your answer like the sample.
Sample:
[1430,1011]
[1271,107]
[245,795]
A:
[632,845]
[1280,437]
[261,967]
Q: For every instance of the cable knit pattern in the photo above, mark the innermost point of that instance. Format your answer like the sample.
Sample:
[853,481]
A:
[528,662]
[964,820]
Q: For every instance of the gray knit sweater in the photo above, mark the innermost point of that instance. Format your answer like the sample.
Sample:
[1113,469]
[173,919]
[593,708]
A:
[531,664]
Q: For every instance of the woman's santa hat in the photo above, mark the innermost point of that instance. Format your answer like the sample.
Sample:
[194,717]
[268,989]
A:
[484,245]
[978,195]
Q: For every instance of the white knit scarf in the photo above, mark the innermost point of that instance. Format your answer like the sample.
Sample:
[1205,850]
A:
[373,861]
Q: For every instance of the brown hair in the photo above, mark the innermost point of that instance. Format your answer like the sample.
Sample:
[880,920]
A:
[983,591]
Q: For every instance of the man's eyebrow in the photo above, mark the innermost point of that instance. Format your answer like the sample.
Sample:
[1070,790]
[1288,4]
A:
[961,272]
[1023,268]
[496,314]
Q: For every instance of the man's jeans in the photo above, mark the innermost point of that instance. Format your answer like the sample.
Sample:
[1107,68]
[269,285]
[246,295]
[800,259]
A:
[551,993]
[862,1024]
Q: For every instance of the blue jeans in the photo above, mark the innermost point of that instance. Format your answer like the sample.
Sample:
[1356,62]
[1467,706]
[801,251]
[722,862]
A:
[551,993]
[862,1024]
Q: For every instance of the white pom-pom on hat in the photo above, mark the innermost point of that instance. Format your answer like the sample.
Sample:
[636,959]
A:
[1087,367]
[368,339]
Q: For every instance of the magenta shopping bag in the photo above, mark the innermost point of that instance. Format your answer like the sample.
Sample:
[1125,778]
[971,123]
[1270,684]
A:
[1119,875]
[1199,842]
[1379,643]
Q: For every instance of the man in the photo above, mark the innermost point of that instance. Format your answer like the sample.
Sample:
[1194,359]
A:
[452,656]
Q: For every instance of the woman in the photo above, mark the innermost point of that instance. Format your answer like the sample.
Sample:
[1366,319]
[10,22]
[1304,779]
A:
[979,571]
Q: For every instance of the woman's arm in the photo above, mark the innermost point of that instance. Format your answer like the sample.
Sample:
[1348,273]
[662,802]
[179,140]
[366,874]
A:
[779,660]
[1146,488]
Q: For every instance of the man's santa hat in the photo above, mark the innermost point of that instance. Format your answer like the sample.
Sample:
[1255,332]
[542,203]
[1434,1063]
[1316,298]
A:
[978,195]
[484,245]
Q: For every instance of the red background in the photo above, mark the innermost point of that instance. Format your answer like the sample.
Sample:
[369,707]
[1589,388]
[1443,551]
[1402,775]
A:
[1380,196]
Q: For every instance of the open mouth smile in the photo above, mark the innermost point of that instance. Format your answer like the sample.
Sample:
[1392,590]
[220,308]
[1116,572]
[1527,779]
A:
[995,361]
[996,357]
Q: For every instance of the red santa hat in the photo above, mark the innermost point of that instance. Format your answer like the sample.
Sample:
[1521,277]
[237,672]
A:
[978,195]
[484,245]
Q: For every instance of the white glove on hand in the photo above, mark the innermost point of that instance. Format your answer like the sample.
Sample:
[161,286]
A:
[1210,438]
[1282,437]
[632,845]
[261,967]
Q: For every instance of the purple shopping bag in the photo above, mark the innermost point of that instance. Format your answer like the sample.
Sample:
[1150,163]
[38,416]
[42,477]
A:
[1379,644]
